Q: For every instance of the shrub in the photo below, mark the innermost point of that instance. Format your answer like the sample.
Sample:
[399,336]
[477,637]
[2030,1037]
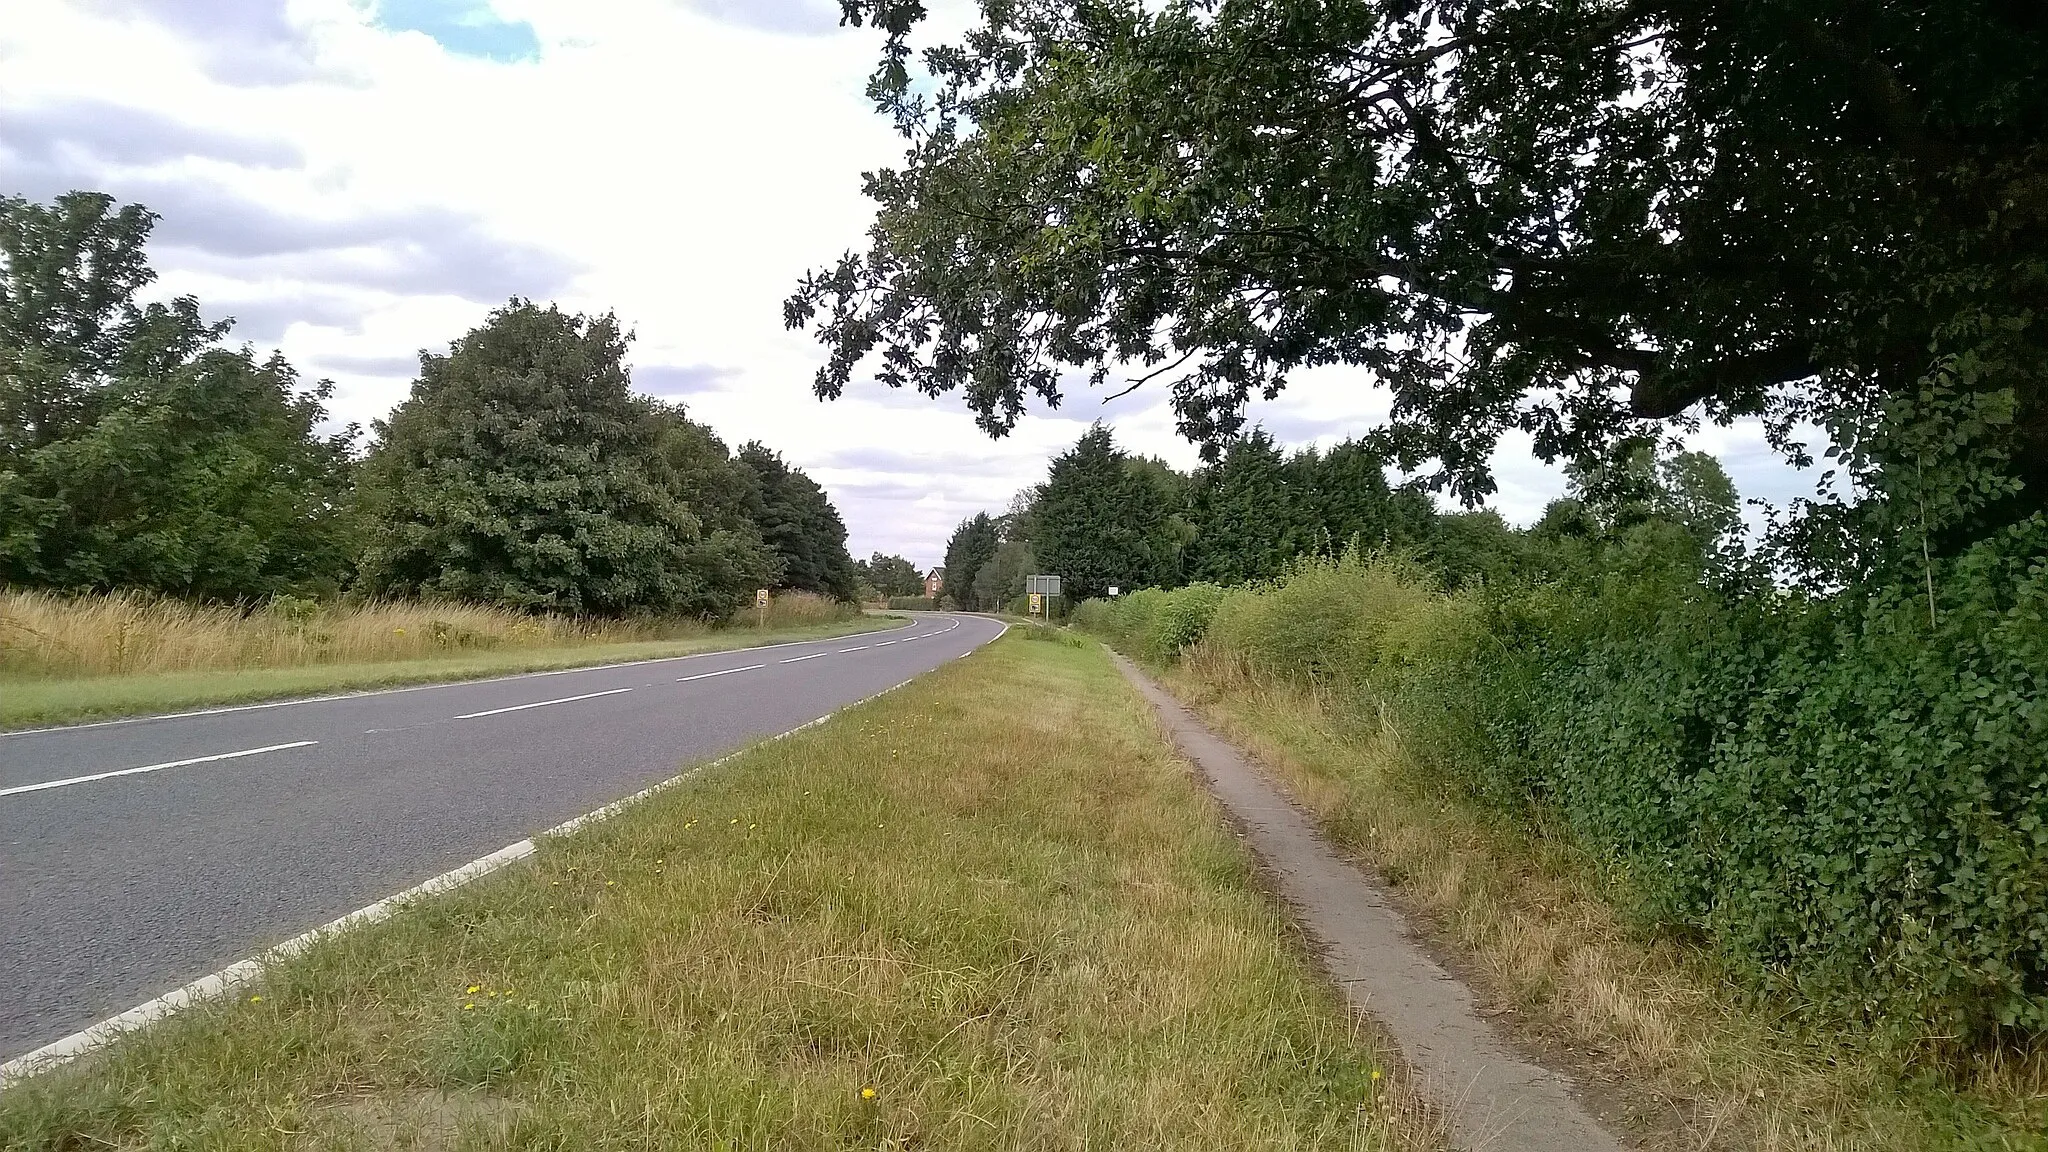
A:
[1832,792]
[913,603]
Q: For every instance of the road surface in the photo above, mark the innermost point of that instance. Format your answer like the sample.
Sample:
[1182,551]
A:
[138,855]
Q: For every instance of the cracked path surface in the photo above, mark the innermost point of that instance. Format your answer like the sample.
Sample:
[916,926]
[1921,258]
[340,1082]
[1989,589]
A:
[1494,1097]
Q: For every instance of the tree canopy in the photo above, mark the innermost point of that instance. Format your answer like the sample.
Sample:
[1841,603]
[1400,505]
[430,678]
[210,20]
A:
[138,452]
[891,575]
[1099,523]
[1593,220]
[972,545]
[799,522]
[523,470]
[135,452]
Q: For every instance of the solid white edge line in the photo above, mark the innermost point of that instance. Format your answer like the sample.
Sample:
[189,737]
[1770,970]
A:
[720,672]
[332,697]
[21,788]
[801,659]
[541,704]
[242,972]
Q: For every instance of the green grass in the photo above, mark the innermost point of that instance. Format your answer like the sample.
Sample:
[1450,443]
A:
[990,910]
[30,703]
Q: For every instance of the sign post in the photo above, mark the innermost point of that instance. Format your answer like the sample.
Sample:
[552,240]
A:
[1042,590]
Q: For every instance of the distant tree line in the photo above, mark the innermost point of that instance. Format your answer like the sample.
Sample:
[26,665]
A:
[1107,519]
[884,576]
[138,452]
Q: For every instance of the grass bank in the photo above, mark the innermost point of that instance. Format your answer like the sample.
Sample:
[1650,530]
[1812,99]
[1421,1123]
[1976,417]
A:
[1702,1062]
[62,662]
[989,910]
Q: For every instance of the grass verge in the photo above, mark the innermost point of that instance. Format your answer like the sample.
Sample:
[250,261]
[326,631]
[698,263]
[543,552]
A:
[35,703]
[1702,1065]
[989,910]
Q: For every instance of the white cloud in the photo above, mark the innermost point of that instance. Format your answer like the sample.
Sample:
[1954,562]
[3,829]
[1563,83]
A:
[356,181]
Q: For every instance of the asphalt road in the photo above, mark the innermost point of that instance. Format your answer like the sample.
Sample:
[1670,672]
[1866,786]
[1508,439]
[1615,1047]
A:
[138,855]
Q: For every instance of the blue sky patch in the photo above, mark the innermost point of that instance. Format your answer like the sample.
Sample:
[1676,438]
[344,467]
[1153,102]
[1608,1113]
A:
[463,27]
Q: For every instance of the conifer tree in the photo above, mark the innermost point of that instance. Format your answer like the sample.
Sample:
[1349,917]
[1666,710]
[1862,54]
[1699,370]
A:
[1099,524]
[972,545]
[799,522]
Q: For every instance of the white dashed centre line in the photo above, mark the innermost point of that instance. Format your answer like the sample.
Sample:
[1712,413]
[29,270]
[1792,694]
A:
[541,704]
[153,768]
[844,651]
[800,659]
[725,672]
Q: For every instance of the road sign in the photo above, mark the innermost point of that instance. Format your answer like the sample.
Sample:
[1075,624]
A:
[1113,589]
[760,597]
[1042,590]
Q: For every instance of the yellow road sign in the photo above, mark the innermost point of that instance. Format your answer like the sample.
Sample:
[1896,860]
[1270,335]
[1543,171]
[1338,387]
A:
[760,597]
[1034,603]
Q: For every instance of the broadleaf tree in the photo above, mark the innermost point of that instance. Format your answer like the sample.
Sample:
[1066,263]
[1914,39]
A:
[134,451]
[524,471]
[892,575]
[1589,220]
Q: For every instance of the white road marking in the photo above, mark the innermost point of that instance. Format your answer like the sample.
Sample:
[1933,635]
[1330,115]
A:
[58,1052]
[541,704]
[436,687]
[884,643]
[800,659]
[17,790]
[844,651]
[725,672]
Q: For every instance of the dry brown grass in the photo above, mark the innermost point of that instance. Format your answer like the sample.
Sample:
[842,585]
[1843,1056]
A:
[44,636]
[1702,1065]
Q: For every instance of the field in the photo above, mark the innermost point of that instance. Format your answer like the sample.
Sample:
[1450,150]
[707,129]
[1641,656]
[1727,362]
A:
[941,920]
[67,659]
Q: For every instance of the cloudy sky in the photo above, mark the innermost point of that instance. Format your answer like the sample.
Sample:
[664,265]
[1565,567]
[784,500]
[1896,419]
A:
[355,180]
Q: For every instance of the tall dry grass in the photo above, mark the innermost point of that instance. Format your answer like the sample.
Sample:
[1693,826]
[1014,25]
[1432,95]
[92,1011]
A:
[46,636]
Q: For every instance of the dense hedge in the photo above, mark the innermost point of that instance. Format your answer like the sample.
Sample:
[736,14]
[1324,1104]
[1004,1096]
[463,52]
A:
[1832,793]
[913,603]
